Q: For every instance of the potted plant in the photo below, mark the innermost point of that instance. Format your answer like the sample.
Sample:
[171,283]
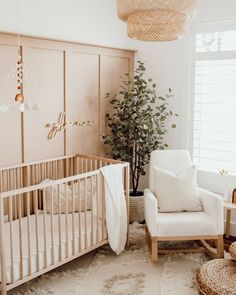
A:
[137,127]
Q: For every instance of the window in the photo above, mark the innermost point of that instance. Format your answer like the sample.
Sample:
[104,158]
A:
[214,128]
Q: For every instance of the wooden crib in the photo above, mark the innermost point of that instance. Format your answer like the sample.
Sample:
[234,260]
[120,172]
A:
[51,212]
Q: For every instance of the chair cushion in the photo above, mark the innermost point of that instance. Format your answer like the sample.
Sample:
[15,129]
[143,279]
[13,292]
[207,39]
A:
[185,224]
[171,160]
[177,192]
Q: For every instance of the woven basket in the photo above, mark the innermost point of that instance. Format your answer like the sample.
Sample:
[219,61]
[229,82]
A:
[136,209]
[217,277]
[232,250]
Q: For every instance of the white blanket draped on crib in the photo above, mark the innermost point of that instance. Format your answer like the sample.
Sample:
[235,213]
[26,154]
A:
[116,213]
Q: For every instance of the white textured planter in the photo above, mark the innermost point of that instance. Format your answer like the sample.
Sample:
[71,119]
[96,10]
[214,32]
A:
[136,209]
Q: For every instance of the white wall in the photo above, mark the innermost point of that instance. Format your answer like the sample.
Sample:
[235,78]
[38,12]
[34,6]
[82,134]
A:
[85,21]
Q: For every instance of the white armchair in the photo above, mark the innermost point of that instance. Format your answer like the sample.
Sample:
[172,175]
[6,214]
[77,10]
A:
[205,225]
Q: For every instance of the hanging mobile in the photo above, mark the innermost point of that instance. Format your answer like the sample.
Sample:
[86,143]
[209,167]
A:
[19,96]
[22,75]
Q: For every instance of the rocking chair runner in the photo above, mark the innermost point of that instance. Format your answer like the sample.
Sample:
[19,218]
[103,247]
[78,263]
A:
[180,226]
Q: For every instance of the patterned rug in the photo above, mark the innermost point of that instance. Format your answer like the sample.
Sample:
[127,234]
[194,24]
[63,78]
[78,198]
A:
[131,273]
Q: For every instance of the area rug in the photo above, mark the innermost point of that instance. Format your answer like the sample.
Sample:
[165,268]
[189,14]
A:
[131,273]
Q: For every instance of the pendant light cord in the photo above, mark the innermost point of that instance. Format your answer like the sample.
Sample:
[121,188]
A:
[18,23]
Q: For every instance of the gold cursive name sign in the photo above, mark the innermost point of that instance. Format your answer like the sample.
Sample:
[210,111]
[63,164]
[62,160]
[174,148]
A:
[61,125]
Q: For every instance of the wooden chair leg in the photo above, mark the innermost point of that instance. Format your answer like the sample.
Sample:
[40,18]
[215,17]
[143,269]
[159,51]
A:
[154,251]
[148,239]
[152,245]
[220,247]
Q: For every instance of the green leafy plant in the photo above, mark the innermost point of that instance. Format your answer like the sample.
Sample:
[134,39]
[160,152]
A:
[138,123]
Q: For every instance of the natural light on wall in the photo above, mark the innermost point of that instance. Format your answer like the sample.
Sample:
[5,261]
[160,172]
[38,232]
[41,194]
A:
[214,131]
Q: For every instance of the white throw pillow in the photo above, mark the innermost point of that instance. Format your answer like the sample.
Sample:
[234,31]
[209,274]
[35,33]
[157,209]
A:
[177,192]
[78,197]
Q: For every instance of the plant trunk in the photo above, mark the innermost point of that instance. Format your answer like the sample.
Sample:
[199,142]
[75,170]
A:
[134,170]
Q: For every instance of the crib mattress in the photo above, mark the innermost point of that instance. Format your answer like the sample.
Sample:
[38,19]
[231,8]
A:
[82,241]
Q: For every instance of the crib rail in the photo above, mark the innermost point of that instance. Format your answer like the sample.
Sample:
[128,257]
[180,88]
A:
[48,224]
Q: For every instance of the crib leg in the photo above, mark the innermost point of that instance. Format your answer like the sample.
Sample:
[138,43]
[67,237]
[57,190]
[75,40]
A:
[3,284]
[3,289]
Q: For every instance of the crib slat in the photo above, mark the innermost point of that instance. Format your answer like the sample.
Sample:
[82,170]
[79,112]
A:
[15,186]
[45,229]
[45,171]
[91,199]
[59,221]
[71,166]
[79,213]
[76,171]
[52,226]
[18,185]
[37,173]
[33,175]
[62,169]
[81,165]
[1,182]
[37,181]
[20,236]
[85,211]
[67,231]
[2,250]
[67,168]
[97,209]
[51,169]
[35,193]
[56,170]
[73,219]
[103,206]
[28,233]
[9,185]
[11,238]
[48,170]
[21,197]
[8,181]
[75,166]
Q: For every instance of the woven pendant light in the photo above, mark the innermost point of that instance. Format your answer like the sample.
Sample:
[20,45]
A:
[156,20]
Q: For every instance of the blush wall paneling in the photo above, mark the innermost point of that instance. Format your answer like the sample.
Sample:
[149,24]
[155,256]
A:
[10,123]
[83,102]
[47,67]
[69,77]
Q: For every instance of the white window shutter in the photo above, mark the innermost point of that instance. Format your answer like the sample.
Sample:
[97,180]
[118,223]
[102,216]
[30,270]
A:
[214,128]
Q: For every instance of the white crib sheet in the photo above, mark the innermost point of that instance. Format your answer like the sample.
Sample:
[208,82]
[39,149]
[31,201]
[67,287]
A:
[78,240]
